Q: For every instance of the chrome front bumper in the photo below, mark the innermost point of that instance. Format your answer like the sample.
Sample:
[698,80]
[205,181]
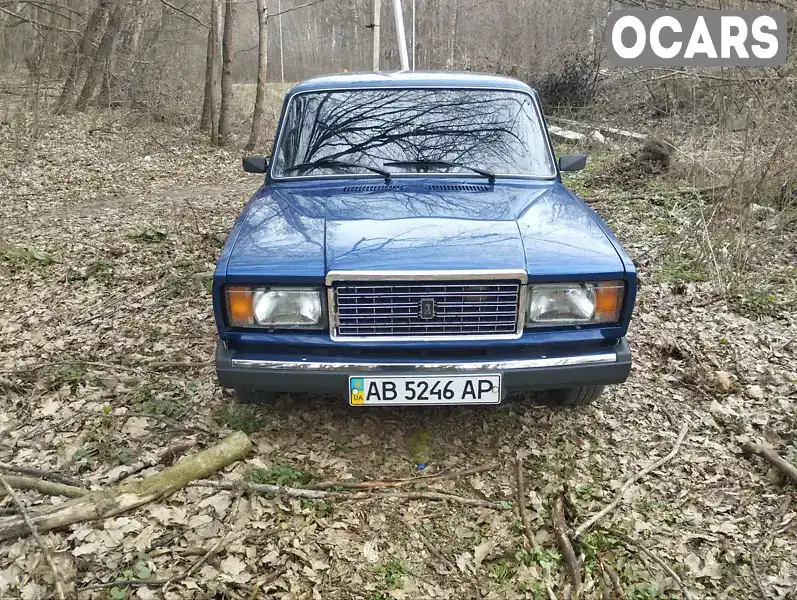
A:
[328,374]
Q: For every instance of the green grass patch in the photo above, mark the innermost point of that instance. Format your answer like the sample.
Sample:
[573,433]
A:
[143,399]
[26,256]
[681,269]
[147,234]
[593,545]
[240,417]
[419,448]
[100,269]
[760,301]
[390,573]
[279,475]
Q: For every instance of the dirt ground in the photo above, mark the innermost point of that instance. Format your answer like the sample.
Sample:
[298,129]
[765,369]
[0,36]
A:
[108,241]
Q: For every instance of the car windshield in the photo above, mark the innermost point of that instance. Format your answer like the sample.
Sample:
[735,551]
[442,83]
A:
[429,130]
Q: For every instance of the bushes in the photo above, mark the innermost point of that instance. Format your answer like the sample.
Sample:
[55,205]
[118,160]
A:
[574,84]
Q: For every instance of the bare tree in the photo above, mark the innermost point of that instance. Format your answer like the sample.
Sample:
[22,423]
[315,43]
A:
[133,49]
[207,97]
[217,23]
[102,60]
[262,64]
[83,56]
[226,73]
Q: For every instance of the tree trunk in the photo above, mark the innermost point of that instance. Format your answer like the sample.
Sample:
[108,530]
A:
[135,44]
[204,120]
[217,23]
[262,62]
[226,74]
[86,50]
[102,58]
[104,96]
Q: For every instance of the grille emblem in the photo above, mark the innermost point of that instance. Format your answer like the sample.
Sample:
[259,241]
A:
[427,308]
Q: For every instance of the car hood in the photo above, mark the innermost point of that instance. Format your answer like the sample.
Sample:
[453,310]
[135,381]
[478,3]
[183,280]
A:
[294,233]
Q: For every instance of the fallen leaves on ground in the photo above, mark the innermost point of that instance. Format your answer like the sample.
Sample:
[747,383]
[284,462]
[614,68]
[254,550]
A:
[113,236]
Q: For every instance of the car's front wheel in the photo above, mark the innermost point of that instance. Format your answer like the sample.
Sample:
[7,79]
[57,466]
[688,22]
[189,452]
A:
[576,396]
[250,396]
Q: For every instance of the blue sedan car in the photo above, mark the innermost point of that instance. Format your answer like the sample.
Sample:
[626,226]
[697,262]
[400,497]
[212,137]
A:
[412,243]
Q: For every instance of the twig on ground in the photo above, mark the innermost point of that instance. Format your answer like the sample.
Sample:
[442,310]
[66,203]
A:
[216,547]
[560,529]
[171,365]
[59,587]
[768,453]
[763,545]
[521,502]
[278,490]
[45,487]
[204,556]
[614,578]
[431,548]
[589,523]
[156,365]
[51,475]
[606,587]
[635,545]
[165,456]
[364,485]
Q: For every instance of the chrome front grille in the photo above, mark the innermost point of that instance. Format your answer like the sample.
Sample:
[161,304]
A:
[412,309]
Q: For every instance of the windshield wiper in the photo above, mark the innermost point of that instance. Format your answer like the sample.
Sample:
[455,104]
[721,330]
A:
[439,163]
[323,162]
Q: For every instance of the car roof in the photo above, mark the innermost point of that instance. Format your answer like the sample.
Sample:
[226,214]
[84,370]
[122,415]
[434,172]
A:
[403,79]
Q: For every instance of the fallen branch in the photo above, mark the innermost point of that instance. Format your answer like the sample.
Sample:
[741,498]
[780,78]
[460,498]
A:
[613,577]
[279,490]
[165,456]
[155,365]
[521,502]
[365,485]
[432,548]
[121,498]
[45,487]
[31,526]
[763,546]
[635,545]
[51,475]
[560,530]
[589,523]
[768,453]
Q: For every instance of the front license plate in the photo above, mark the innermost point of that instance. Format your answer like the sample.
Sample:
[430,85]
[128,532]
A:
[453,389]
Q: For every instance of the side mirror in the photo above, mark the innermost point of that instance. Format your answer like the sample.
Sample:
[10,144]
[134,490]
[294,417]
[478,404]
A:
[255,164]
[572,162]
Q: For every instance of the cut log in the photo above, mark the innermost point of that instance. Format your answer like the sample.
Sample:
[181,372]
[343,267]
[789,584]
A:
[611,132]
[768,453]
[564,135]
[129,495]
[165,456]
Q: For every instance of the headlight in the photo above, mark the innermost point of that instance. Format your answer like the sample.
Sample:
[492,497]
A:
[275,307]
[574,303]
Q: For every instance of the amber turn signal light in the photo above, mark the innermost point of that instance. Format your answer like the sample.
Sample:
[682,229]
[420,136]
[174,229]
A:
[239,306]
[608,301]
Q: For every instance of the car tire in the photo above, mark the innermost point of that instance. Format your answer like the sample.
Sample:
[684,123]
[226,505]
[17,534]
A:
[250,396]
[577,396]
